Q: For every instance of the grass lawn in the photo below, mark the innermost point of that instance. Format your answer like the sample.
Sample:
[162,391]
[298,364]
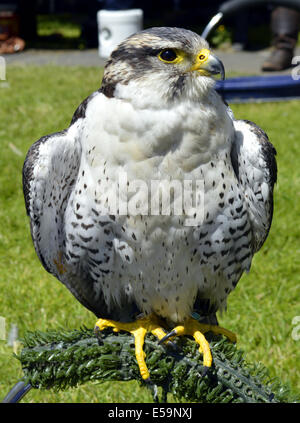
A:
[41,100]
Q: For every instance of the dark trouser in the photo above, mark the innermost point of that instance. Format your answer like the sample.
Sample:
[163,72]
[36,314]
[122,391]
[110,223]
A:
[285,27]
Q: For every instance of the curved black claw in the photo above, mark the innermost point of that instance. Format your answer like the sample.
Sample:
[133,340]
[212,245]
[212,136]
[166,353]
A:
[167,336]
[170,344]
[98,335]
[205,371]
[153,388]
[173,346]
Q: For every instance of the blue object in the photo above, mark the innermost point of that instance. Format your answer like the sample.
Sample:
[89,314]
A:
[17,392]
[259,88]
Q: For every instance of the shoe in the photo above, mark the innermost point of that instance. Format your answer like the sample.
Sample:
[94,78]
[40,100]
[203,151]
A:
[279,60]
[285,26]
[12,45]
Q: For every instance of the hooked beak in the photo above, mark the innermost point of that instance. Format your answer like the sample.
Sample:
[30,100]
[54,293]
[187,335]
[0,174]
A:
[211,65]
[214,66]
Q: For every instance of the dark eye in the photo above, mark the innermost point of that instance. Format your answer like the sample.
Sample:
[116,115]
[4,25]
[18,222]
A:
[202,57]
[168,55]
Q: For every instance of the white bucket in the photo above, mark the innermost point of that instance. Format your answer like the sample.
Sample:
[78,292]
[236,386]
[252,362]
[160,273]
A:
[116,25]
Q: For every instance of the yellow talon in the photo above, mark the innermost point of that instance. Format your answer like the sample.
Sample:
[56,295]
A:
[138,329]
[151,323]
[196,330]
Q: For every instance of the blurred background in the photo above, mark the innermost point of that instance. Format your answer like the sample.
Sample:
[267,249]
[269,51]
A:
[81,25]
[73,24]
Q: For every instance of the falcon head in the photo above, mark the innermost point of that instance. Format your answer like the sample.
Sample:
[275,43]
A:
[161,65]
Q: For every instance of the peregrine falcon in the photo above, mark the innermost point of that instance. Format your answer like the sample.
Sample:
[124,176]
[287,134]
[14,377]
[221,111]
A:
[156,118]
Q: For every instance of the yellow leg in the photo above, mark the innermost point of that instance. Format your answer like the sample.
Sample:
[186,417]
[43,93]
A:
[151,324]
[196,330]
[138,329]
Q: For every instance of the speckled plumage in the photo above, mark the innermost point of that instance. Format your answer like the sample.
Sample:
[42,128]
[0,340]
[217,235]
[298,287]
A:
[150,121]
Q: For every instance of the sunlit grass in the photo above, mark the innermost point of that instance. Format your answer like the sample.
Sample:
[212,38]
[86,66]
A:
[41,100]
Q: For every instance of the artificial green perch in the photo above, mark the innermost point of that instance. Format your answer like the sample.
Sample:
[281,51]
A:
[58,360]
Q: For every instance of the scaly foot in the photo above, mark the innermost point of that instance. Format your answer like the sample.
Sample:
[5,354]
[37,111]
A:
[138,329]
[151,323]
[196,330]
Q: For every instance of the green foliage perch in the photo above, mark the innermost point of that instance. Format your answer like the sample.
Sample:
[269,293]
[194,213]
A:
[61,359]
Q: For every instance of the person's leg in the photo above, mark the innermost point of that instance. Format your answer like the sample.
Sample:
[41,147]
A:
[285,27]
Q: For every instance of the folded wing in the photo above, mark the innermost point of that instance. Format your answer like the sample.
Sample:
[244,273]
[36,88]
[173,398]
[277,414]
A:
[254,162]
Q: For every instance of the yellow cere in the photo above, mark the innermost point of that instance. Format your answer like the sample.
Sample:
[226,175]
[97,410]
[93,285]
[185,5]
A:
[201,58]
